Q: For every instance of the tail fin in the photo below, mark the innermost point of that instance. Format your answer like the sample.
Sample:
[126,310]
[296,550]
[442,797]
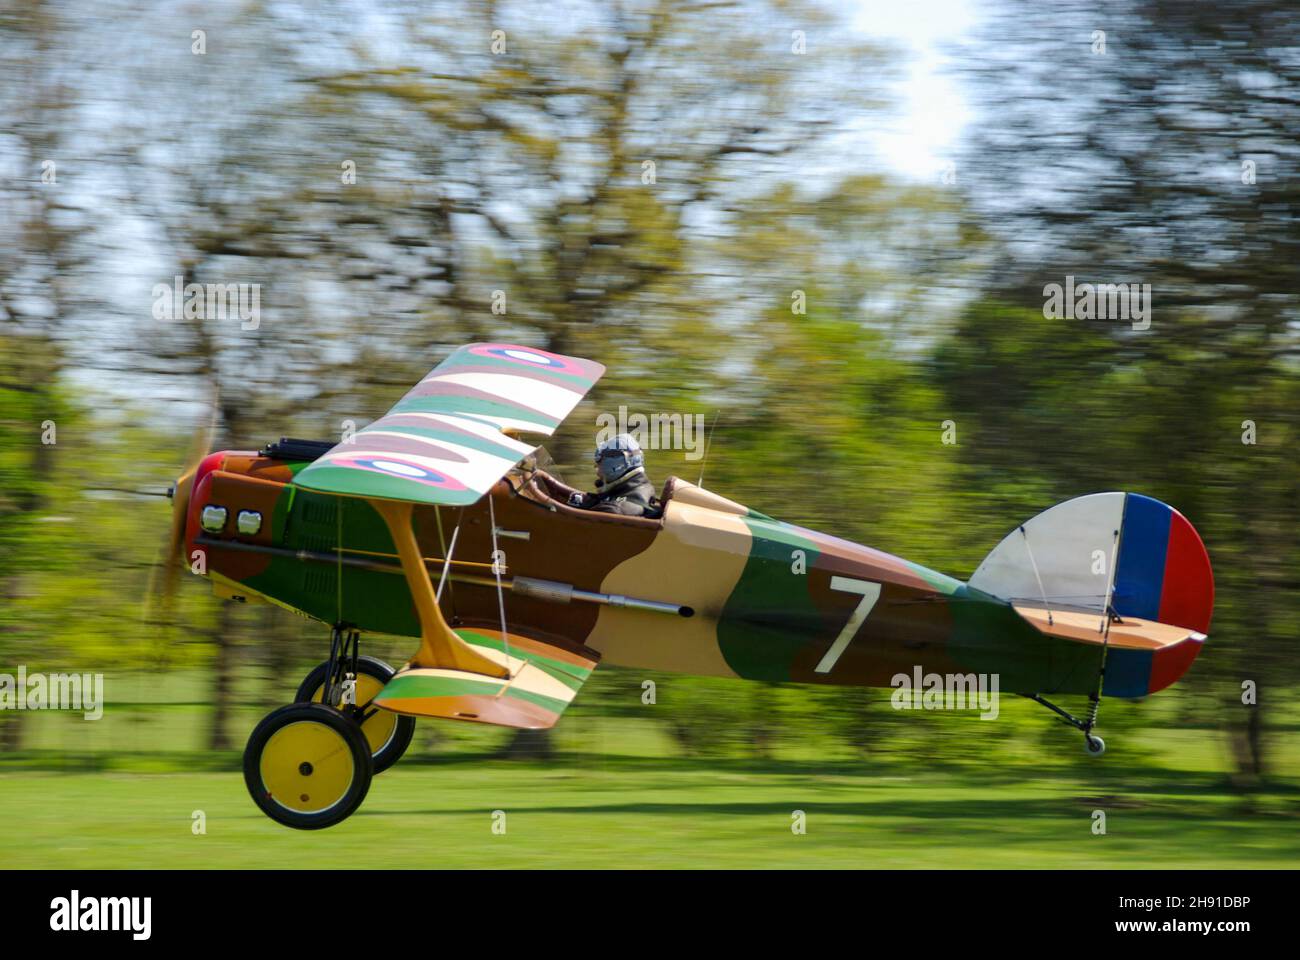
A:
[1140,556]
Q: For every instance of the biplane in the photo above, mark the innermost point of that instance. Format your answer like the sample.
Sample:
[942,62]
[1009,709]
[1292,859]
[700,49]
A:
[441,523]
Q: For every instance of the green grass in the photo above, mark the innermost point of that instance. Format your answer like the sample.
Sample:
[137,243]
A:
[604,811]
[937,791]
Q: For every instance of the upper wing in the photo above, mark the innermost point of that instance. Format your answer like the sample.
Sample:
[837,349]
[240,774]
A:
[444,442]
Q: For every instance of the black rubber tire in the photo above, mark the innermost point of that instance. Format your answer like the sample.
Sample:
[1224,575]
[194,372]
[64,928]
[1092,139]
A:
[358,748]
[396,745]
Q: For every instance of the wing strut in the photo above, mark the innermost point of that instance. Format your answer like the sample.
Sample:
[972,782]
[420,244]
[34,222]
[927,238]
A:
[439,646]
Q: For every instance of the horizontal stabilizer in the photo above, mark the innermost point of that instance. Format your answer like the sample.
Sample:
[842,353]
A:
[1128,632]
[1142,656]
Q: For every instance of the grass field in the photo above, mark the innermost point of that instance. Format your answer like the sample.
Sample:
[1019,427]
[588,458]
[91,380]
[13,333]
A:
[629,812]
[121,792]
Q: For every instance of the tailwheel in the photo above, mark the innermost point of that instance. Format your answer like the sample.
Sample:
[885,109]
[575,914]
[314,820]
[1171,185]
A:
[307,766]
[388,734]
[1092,745]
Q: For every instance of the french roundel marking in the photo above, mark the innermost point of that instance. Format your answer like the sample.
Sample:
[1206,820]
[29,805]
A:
[393,467]
[535,359]
[405,469]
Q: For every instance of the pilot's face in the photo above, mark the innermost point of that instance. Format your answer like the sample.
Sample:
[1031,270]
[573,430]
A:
[608,466]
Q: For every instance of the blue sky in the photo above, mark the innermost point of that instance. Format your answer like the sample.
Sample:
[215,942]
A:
[913,139]
[929,111]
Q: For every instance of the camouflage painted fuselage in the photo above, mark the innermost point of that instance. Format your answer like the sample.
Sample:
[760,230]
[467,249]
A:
[766,598]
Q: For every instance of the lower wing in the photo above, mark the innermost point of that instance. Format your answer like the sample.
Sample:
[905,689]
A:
[543,681]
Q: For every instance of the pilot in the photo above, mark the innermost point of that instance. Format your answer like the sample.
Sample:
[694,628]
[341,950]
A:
[621,482]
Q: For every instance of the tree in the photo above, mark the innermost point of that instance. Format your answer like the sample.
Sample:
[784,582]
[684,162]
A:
[1157,143]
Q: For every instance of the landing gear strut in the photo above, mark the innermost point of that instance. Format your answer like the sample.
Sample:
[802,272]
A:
[341,669]
[349,682]
[1093,746]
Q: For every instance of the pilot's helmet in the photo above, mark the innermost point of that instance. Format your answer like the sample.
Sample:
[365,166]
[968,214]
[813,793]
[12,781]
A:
[617,457]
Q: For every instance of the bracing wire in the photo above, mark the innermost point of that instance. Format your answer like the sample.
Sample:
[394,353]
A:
[338,580]
[496,570]
[446,557]
[1094,701]
[446,562]
[1041,591]
[1110,590]
[442,540]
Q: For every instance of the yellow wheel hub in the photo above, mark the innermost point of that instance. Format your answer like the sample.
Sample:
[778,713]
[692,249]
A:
[379,728]
[307,767]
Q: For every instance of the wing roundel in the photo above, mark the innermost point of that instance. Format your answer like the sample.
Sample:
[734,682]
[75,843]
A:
[445,441]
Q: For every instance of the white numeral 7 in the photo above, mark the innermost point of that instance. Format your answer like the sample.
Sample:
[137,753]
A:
[870,594]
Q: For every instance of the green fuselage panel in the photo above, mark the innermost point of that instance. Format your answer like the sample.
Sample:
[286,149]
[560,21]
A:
[318,524]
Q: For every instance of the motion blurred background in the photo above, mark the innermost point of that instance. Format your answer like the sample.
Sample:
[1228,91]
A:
[827,226]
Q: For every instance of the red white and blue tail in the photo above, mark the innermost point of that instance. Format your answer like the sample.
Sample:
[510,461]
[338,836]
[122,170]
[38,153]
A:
[1123,552]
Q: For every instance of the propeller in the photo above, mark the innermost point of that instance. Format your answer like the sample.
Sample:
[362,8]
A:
[167,568]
